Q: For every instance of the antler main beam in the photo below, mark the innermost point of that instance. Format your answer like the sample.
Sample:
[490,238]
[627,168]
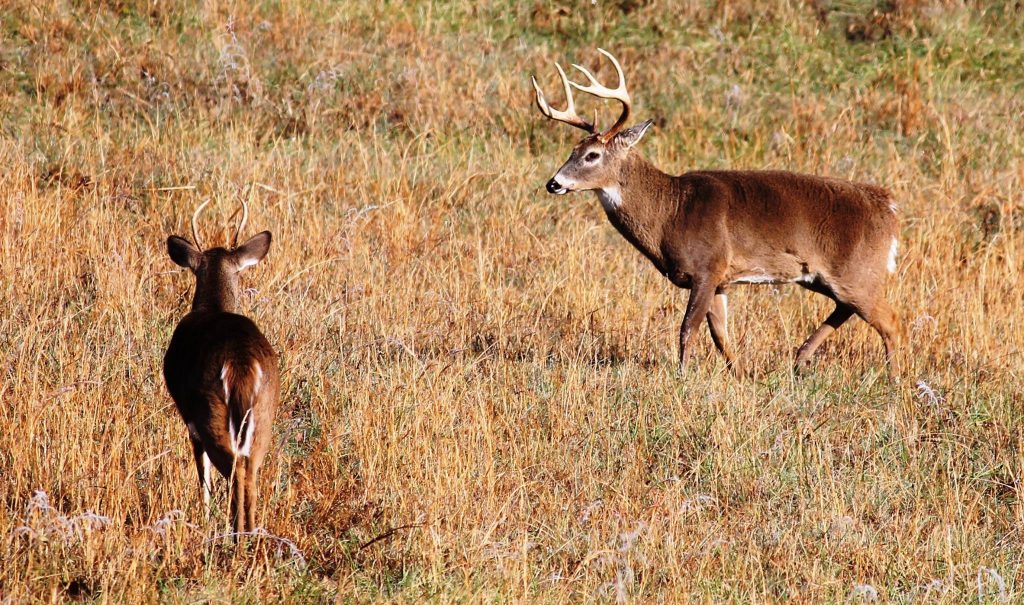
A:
[195,229]
[241,224]
[569,115]
[619,93]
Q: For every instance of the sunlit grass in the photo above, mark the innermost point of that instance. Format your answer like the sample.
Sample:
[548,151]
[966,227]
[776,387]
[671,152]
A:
[479,397]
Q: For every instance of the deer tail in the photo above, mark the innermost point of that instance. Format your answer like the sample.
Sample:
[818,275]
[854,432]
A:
[242,383]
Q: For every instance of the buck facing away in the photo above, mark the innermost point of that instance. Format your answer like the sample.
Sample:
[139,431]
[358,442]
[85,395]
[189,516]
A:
[710,229]
[221,371]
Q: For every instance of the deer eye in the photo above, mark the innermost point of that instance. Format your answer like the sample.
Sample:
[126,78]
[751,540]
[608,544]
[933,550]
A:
[592,156]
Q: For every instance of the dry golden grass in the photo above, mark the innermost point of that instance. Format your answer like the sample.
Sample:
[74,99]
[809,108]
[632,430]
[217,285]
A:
[479,398]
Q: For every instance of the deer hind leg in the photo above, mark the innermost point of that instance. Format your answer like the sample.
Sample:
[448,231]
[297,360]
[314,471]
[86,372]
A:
[250,498]
[837,318]
[202,460]
[884,320]
[718,325]
[238,495]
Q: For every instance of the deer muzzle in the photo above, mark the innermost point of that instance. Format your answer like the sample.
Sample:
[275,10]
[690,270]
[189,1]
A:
[557,188]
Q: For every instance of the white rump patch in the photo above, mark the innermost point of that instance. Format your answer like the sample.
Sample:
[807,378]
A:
[242,436]
[248,429]
[224,371]
[232,434]
[891,266]
[611,198]
[241,444]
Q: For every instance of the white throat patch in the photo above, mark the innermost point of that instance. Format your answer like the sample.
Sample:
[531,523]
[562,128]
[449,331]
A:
[611,198]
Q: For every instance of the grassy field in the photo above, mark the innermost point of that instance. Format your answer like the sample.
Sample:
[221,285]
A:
[479,393]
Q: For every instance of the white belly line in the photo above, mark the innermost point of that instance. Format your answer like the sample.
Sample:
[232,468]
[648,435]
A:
[765,278]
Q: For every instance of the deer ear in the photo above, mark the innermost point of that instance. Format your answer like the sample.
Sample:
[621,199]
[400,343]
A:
[631,136]
[183,253]
[253,250]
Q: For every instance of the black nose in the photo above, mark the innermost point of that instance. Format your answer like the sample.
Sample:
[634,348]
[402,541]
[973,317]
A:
[553,186]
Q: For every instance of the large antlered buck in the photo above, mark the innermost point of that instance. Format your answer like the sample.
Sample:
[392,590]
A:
[221,371]
[710,229]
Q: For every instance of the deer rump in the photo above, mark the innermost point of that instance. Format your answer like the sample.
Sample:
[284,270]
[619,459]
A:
[221,359]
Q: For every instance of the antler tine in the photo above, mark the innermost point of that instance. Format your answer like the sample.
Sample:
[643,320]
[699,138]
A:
[619,93]
[195,231]
[241,225]
[569,115]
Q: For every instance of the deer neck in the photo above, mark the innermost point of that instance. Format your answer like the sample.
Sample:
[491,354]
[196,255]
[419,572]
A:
[215,293]
[639,205]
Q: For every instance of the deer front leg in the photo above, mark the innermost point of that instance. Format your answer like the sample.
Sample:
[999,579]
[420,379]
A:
[702,292]
[837,318]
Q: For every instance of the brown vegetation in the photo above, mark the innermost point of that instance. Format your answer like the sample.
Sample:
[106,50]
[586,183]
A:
[479,399]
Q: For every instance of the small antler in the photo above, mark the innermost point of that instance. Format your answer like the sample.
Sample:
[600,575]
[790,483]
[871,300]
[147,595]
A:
[619,93]
[569,115]
[195,231]
[241,225]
